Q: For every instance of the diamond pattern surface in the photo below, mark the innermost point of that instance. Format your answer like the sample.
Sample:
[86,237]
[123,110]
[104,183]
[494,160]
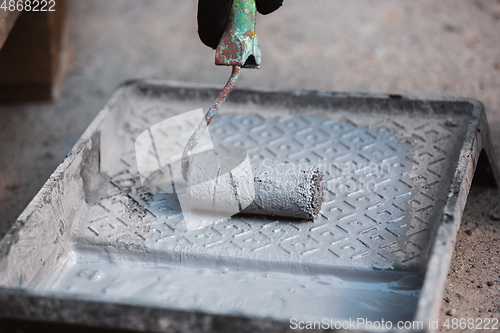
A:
[381,185]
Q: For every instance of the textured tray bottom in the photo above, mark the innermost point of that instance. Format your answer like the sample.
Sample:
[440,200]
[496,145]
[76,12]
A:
[141,279]
[260,266]
[371,214]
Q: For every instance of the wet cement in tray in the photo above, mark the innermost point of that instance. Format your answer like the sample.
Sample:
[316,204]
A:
[119,276]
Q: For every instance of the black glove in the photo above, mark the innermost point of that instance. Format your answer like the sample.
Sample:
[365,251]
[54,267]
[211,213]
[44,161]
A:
[213,14]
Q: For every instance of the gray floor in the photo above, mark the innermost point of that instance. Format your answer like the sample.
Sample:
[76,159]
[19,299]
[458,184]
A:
[406,47]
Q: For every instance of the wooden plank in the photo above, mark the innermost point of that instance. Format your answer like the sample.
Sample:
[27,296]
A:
[7,20]
[34,58]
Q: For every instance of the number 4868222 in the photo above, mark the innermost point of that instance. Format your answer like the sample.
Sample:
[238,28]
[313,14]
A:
[472,324]
[28,5]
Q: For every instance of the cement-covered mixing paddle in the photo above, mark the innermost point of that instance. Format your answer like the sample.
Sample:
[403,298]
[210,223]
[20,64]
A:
[239,48]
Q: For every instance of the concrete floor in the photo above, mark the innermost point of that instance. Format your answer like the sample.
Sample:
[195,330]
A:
[437,47]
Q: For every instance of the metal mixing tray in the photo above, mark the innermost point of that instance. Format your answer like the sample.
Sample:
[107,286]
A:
[95,249]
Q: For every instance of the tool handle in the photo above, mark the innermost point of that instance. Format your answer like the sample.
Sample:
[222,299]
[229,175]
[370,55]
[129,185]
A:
[195,137]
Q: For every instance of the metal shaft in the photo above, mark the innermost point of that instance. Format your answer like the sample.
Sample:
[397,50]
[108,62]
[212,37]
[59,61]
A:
[195,137]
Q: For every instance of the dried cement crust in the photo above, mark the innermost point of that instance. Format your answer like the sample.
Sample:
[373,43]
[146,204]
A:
[286,189]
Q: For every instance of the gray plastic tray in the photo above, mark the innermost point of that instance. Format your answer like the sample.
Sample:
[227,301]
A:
[94,249]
